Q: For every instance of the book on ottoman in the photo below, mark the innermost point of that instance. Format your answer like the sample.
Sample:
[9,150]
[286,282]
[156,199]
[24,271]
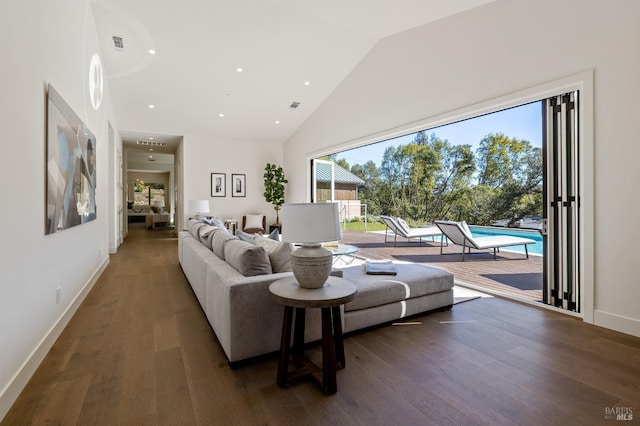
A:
[380,267]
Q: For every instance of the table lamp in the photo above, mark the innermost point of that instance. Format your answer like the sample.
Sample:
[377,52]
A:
[200,207]
[158,205]
[310,224]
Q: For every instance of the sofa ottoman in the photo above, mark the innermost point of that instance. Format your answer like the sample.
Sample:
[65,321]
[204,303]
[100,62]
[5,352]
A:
[382,298]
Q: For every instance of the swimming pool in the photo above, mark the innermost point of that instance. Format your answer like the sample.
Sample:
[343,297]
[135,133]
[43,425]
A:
[487,231]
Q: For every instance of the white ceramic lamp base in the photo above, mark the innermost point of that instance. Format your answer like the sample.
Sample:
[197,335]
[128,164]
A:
[311,265]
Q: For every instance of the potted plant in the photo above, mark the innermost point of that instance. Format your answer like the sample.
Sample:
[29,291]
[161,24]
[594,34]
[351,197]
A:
[274,181]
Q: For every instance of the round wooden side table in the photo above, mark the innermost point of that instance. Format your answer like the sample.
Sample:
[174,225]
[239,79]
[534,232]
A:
[335,292]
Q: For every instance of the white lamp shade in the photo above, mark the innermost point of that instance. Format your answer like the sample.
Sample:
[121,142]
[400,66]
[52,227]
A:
[158,203]
[310,223]
[199,206]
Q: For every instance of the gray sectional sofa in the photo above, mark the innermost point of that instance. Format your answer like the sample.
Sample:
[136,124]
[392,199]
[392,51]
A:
[231,277]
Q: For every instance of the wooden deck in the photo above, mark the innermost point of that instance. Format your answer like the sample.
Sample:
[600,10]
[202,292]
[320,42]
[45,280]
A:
[511,275]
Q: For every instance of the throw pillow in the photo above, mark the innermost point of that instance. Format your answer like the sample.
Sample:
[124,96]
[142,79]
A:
[218,222]
[279,253]
[250,238]
[273,235]
[195,229]
[218,242]
[253,221]
[246,258]
[208,239]
[204,231]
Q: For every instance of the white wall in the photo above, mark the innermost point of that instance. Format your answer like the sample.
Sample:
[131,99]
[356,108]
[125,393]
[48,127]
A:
[202,156]
[491,51]
[117,208]
[45,42]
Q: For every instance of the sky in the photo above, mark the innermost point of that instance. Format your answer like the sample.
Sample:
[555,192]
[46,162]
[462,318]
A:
[522,122]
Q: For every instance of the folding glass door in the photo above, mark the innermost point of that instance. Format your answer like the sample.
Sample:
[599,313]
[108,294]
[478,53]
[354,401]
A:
[561,144]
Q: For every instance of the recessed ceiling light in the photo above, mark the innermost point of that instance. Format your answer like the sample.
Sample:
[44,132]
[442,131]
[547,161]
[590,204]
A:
[152,51]
[306,83]
[151,106]
[151,156]
[151,143]
[277,121]
[220,115]
[151,138]
[239,69]
[151,149]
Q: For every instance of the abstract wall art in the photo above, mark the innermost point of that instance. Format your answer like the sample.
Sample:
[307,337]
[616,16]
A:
[71,167]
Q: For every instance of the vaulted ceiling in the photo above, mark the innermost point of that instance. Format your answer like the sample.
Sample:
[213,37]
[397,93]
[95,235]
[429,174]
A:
[231,70]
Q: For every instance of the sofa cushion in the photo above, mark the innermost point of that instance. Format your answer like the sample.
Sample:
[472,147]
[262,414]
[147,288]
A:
[140,209]
[247,258]
[218,242]
[279,253]
[412,280]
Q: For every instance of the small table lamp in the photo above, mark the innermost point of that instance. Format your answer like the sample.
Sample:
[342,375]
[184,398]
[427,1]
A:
[158,205]
[310,224]
[200,207]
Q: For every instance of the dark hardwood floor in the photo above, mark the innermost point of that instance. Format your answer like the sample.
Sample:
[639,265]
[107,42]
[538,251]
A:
[140,351]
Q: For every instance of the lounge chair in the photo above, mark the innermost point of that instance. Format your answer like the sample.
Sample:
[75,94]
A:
[400,227]
[458,233]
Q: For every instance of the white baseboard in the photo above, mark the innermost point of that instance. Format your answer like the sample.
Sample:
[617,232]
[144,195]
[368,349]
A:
[617,322]
[10,393]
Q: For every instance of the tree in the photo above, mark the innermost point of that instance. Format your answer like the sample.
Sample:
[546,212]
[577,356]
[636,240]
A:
[369,192]
[274,181]
[512,168]
[430,179]
[342,163]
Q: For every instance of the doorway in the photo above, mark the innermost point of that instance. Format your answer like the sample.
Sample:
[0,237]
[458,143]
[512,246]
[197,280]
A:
[559,221]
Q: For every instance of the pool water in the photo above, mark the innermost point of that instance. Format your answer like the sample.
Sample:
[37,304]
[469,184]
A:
[485,231]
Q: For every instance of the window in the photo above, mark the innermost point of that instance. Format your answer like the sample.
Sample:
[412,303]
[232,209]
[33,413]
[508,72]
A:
[144,193]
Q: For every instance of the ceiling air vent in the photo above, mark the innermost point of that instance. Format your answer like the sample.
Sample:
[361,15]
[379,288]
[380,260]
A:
[294,105]
[151,143]
[118,43]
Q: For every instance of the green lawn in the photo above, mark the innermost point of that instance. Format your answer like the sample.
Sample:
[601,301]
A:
[359,226]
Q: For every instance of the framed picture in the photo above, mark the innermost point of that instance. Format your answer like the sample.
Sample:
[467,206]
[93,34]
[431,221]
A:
[218,184]
[238,185]
[71,167]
